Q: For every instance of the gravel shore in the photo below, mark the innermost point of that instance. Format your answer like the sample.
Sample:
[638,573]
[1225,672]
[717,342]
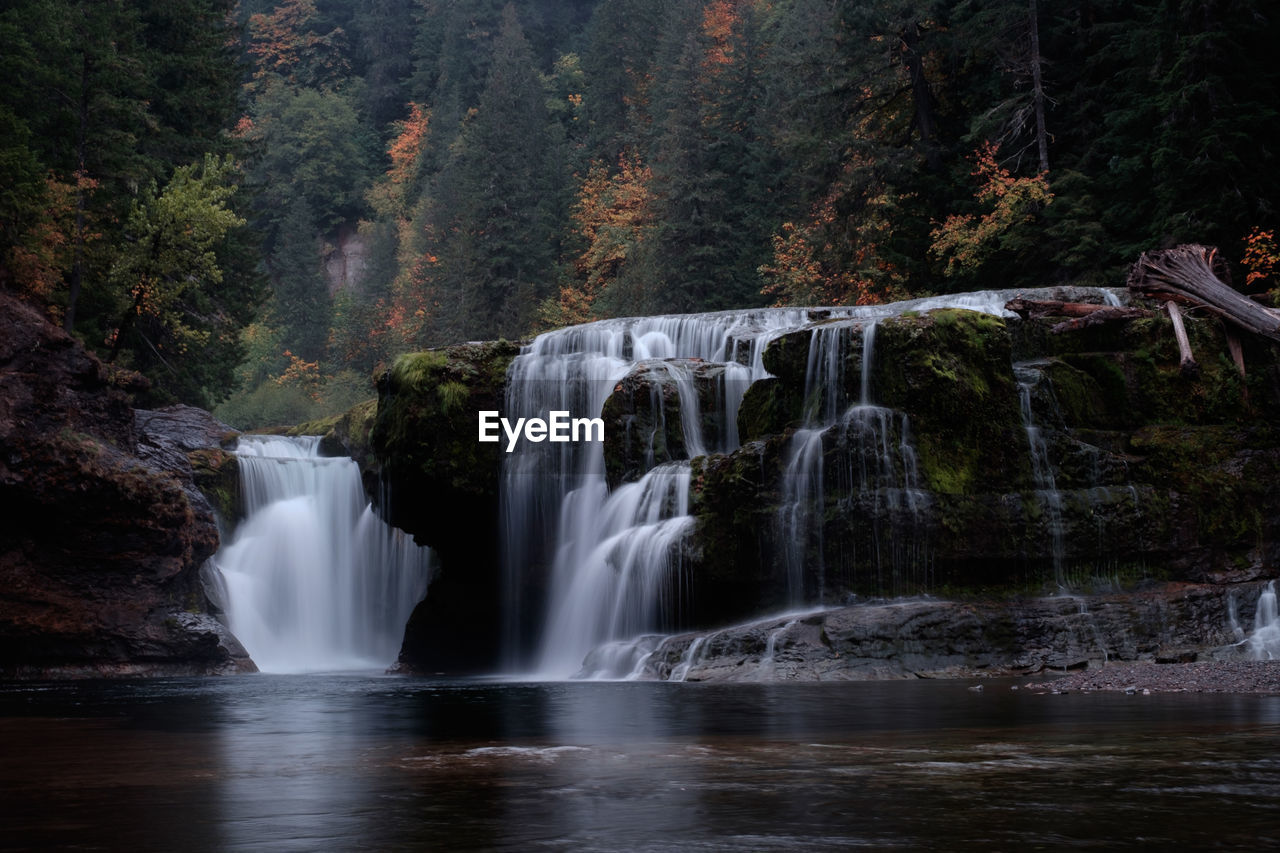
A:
[1205,677]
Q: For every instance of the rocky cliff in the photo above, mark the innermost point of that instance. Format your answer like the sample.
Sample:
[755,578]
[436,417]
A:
[969,457]
[103,533]
[441,485]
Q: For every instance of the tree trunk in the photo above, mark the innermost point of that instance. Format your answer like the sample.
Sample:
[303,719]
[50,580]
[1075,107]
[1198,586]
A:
[1037,84]
[1052,308]
[1195,275]
[923,98]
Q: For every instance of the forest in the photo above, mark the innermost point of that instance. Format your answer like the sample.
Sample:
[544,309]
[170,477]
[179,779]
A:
[258,206]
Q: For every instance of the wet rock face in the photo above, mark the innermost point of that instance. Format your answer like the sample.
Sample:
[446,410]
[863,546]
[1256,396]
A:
[933,487]
[100,545]
[933,481]
[646,415]
[929,638]
[441,485]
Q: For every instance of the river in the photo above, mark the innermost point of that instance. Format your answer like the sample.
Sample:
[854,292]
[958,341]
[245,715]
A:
[368,762]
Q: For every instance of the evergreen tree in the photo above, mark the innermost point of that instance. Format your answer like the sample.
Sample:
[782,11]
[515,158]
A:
[300,297]
[708,168]
[385,30]
[499,203]
[310,143]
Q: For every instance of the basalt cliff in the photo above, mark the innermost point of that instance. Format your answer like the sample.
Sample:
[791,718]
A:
[103,531]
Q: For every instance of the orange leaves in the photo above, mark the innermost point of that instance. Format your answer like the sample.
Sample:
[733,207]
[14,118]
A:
[407,145]
[284,44]
[1261,257]
[394,194]
[720,21]
[840,254]
[302,374]
[613,213]
[805,271]
[965,241]
[43,253]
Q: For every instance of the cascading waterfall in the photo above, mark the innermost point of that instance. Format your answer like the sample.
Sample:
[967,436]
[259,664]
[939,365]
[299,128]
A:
[1028,377]
[1264,642]
[613,557]
[799,527]
[880,464]
[315,580]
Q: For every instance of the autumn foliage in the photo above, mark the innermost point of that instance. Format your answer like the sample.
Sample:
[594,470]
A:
[1261,259]
[965,241]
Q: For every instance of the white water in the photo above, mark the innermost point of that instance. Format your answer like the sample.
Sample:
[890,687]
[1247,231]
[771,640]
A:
[1264,642]
[1028,377]
[613,557]
[315,580]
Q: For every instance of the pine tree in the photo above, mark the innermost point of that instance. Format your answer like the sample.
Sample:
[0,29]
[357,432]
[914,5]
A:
[300,297]
[499,203]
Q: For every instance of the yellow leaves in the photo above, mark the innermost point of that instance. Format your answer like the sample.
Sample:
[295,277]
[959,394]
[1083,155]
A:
[965,241]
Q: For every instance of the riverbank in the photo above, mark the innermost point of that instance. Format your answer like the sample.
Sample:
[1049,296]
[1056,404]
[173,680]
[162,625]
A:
[1235,676]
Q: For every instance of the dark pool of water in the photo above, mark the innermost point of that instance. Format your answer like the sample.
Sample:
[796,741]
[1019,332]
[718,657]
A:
[380,763]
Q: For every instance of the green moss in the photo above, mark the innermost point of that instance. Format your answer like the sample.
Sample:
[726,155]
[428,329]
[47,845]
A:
[216,473]
[453,395]
[320,426]
[769,407]
[424,425]
[949,371]
[417,368]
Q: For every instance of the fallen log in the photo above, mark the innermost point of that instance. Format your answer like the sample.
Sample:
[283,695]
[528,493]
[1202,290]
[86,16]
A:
[1103,314]
[1037,308]
[1195,275]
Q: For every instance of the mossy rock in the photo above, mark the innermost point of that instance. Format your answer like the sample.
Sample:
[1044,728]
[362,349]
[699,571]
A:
[1223,479]
[769,407]
[787,357]
[949,370]
[216,473]
[729,550]
[423,433]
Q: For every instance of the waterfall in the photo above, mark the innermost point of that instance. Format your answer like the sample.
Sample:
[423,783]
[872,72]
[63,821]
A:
[315,580]
[1264,642]
[1028,377]
[611,558]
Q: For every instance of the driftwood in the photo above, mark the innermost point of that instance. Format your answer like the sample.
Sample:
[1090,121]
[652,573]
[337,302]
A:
[1195,275]
[1187,361]
[1037,308]
[1099,315]
[1083,314]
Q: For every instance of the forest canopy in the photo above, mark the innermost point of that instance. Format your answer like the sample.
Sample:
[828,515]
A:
[257,204]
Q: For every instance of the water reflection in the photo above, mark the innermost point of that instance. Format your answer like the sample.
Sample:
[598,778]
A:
[344,762]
